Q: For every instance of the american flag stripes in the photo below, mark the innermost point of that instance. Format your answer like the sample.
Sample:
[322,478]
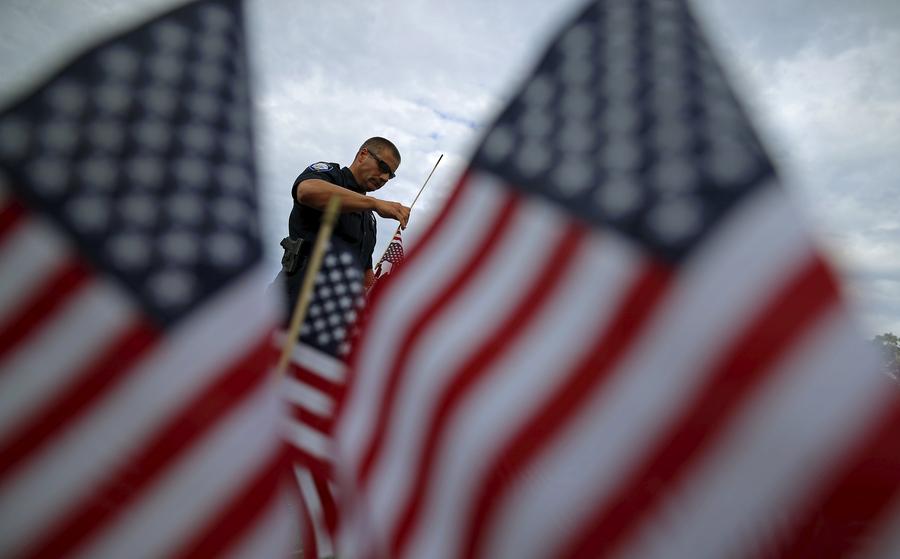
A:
[138,412]
[312,388]
[617,339]
[393,256]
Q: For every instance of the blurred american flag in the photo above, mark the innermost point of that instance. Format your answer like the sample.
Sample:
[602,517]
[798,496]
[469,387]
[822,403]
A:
[617,339]
[138,412]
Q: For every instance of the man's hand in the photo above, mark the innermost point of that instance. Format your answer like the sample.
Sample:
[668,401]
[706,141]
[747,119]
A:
[392,210]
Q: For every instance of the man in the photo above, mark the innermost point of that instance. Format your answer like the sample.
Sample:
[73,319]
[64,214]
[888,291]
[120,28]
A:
[375,163]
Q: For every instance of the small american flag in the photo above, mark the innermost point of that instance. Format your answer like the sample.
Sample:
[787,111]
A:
[617,339]
[313,386]
[138,412]
[393,256]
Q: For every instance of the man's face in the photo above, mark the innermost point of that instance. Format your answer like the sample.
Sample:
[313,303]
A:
[376,168]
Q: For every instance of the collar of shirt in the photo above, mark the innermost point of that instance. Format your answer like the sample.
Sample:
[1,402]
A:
[350,181]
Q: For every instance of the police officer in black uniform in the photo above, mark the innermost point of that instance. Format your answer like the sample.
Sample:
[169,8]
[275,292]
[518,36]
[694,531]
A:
[375,163]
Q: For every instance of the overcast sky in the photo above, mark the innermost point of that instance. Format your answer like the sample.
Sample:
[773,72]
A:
[821,79]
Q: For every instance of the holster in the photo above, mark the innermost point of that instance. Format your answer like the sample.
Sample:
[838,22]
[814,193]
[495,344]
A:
[291,260]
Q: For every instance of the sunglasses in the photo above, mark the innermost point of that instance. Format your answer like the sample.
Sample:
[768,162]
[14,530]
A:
[382,166]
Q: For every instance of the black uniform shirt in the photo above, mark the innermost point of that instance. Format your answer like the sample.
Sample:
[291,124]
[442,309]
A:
[356,230]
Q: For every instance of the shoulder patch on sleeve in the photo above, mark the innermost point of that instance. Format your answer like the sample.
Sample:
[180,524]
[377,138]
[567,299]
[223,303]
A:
[320,166]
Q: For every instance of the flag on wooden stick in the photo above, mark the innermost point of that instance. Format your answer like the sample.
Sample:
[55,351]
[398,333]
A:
[138,411]
[312,388]
[617,338]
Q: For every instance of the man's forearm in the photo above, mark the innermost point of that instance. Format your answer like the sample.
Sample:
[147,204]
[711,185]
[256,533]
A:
[315,193]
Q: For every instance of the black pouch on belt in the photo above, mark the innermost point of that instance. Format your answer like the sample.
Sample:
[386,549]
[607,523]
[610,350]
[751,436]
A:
[291,260]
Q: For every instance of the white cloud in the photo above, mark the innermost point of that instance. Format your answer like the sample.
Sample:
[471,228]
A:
[429,76]
[836,118]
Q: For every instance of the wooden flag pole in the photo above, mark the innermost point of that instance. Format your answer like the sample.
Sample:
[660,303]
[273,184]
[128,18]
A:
[309,280]
[413,203]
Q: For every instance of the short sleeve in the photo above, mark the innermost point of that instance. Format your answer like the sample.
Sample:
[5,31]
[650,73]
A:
[329,172]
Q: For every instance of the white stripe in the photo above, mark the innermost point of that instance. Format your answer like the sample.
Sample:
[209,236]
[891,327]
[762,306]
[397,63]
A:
[30,254]
[316,361]
[308,397]
[324,544]
[515,385]
[38,370]
[816,406]
[193,490]
[475,214]
[275,535]
[713,296]
[320,363]
[491,294]
[192,356]
[306,438]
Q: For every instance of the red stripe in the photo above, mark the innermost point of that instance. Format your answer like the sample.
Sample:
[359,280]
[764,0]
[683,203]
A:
[41,304]
[840,519]
[177,436]
[375,295]
[11,215]
[311,378]
[562,407]
[476,259]
[236,517]
[732,381]
[477,369]
[317,422]
[85,387]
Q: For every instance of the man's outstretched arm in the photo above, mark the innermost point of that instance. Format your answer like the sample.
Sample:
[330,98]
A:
[315,193]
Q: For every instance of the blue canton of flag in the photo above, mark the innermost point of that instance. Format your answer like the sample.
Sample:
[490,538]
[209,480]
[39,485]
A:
[141,151]
[629,124]
[336,301]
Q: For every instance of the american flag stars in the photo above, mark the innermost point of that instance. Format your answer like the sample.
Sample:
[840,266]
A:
[629,121]
[335,303]
[104,144]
